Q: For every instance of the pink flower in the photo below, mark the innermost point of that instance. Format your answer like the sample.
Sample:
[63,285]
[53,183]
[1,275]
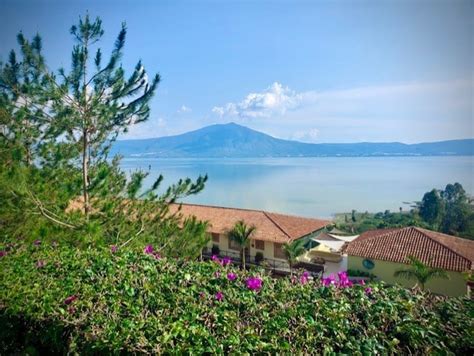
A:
[226,261]
[362,282]
[148,249]
[70,299]
[156,255]
[217,274]
[113,248]
[329,281]
[368,290]
[304,277]
[37,242]
[254,283]
[231,276]
[3,253]
[216,259]
[219,296]
[40,264]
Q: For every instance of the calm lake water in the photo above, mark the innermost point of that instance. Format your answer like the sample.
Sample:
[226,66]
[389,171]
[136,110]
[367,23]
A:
[313,187]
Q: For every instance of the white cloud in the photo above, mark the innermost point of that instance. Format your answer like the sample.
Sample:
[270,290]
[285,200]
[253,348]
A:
[275,100]
[310,135]
[184,109]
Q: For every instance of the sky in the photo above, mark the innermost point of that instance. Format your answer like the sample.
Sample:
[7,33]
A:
[314,71]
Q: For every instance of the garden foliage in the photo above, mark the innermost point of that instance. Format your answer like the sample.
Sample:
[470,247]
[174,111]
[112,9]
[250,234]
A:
[60,299]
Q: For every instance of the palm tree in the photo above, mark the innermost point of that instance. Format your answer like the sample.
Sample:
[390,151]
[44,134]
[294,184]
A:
[420,272]
[292,251]
[241,233]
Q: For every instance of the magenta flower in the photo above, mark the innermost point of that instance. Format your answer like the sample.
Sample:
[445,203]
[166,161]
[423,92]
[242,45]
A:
[148,249]
[70,299]
[304,278]
[254,283]
[231,276]
[226,261]
[329,281]
[368,290]
[37,242]
[216,259]
[113,248]
[3,253]
[40,264]
[362,282]
[219,296]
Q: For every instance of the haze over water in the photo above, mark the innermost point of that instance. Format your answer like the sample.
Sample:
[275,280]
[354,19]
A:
[313,187]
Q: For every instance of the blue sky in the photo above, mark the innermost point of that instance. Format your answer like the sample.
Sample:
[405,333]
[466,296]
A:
[316,71]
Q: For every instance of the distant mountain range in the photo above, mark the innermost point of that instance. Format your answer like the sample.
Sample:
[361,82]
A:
[232,140]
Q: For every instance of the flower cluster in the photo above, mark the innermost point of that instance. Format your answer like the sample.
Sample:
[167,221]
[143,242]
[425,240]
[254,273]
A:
[254,283]
[226,260]
[304,278]
[149,250]
[342,281]
[231,276]
[70,299]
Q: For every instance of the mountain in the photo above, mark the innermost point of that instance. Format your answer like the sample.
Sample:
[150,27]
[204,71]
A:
[232,140]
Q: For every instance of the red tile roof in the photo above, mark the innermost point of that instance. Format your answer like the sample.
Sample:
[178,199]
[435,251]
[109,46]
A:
[433,248]
[269,226]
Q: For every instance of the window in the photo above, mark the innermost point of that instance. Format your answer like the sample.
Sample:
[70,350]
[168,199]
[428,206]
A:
[234,245]
[278,251]
[215,237]
[259,245]
[369,264]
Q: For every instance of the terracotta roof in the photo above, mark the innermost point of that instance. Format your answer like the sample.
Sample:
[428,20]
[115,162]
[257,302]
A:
[269,226]
[433,248]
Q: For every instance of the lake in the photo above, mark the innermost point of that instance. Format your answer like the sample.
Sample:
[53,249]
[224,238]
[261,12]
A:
[313,187]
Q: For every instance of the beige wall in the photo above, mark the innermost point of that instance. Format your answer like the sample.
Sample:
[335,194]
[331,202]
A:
[454,286]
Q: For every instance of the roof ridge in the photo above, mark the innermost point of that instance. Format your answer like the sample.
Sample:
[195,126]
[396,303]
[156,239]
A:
[422,231]
[276,224]
[374,236]
[247,209]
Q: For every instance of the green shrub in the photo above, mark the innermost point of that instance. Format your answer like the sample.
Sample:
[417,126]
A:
[60,300]
[215,250]
[359,273]
[258,257]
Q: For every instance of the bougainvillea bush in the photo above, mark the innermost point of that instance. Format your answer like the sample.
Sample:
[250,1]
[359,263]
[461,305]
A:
[56,299]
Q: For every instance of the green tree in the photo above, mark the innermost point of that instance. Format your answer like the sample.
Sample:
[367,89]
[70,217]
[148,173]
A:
[241,234]
[431,208]
[420,272]
[57,129]
[292,251]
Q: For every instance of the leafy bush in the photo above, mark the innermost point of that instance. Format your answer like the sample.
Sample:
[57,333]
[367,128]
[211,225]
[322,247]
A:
[258,257]
[56,299]
[359,273]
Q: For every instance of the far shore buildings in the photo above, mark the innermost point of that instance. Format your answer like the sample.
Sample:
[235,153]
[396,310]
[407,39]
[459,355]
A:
[272,230]
[383,252]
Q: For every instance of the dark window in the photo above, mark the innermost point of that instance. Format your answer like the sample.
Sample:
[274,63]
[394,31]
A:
[259,245]
[278,251]
[215,237]
[369,264]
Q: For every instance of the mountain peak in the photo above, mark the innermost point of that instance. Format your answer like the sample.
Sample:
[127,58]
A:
[234,140]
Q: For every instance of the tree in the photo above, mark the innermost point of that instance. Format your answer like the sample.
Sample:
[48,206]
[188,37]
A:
[57,128]
[293,250]
[458,209]
[90,105]
[432,208]
[241,234]
[420,272]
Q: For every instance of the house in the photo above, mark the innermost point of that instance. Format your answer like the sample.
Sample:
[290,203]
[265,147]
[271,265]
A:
[383,252]
[272,229]
[326,249]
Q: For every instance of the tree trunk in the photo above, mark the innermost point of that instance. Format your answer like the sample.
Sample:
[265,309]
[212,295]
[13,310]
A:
[85,172]
[243,258]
